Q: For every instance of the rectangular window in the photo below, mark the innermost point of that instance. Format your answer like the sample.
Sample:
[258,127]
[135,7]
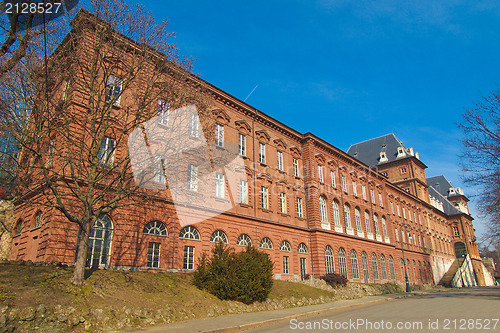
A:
[244,192]
[392,207]
[380,200]
[106,152]
[344,184]
[219,185]
[114,90]
[399,212]
[285,265]
[262,153]
[396,233]
[299,207]
[403,170]
[219,135]
[154,255]
[163,112]
[192,179]
[456,232]
[189,257]
[372,195]
[159,171]
[264,197]
[283,203]
[363,189]
[295,167]
[320,173]
[279,158]
[194,124]
[242,143]
[404,212]
[354,188]
[332,176]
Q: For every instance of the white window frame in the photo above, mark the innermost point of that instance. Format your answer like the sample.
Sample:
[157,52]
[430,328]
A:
[322,209]
[372,195]
[332,176]
[320,173]
[264,197]
[295,167]
[159,170]
[114,89]
[192,177]
[283,202]
[354,188]
[286,265]
[188,257]
[336,213]
[347,216]
[299,208]
[163,112]
[380,199]
[363,191]
[219,135]
[262,153]
[242,142]
[219,185]
[106,154]
[153,255]
[344,184]
[357,216]
[279,160]
[244,192]
[194,124]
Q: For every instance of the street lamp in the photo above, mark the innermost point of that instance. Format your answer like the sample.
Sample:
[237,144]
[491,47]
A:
[408,289]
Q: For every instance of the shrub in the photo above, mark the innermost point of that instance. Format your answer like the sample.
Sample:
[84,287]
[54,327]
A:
[334,279]
[245,276]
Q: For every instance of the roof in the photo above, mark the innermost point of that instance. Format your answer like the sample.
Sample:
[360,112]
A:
[440,184]
[448,207]
[369,151]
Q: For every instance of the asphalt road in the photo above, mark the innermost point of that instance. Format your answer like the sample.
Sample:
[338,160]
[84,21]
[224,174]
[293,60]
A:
[463,310]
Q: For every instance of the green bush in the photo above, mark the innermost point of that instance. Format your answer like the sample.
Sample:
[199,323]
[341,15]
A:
[245,276]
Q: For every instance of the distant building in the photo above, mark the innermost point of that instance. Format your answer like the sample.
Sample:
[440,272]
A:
[313,208]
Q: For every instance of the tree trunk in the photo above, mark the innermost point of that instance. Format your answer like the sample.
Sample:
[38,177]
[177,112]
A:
[81,257]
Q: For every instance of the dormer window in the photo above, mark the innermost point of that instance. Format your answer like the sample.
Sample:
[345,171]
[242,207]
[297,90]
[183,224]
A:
[401,152]
[403,170]
[383,157]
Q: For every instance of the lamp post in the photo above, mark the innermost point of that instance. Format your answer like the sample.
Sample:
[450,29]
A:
[408,289]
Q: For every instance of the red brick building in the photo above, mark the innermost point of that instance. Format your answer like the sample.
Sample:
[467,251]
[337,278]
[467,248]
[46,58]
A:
[311,206]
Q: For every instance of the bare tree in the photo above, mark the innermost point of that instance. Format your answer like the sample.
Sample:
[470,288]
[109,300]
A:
[481,157]
[113,72]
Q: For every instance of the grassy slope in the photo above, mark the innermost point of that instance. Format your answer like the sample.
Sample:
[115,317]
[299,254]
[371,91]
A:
[29,285]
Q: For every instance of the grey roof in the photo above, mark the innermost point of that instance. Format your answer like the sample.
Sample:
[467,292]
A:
[440,184]
[369,151]
[448,207]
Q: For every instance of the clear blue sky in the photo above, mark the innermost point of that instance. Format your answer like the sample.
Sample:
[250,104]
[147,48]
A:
[349,71]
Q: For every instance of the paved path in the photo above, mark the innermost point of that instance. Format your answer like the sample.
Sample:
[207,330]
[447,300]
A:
[268,320]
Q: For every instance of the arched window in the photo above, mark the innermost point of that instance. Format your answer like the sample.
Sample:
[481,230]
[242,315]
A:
[38,220]
[354,265]
[302,248]
[367,222]
[322,209]
[374,267]
[99,242]
[329,260]
[383,267]
[391,268]
[336,214]
[375,224]
[156,228]
[384,226]
[19,228]
[364,265]
[285,246]
[218,236]
[266,243]
[347,216]
[189,232]
[342,263]
[357,215]
[244,240]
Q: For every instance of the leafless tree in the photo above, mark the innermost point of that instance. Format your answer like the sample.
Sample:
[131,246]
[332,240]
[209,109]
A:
[113,72]
[481,157]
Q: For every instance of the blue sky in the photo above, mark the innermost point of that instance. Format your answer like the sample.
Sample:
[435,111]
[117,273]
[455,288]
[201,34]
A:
[349,71]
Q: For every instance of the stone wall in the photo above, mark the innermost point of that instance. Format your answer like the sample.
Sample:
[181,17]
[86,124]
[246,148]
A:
[6,224]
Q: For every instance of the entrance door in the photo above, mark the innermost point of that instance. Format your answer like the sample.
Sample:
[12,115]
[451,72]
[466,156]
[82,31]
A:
[99,242]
